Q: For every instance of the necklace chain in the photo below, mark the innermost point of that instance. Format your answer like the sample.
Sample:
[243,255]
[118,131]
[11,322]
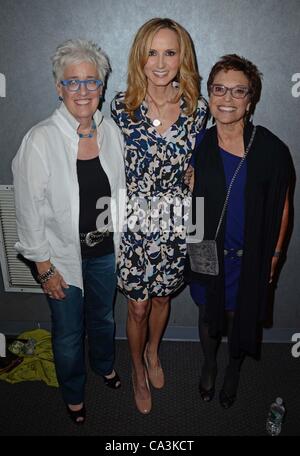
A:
[157,122]
[91,132]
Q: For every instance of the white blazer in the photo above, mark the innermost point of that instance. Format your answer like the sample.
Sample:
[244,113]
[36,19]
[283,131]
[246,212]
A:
[47,190]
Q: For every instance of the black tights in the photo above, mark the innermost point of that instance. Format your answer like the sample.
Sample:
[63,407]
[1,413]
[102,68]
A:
[210,347]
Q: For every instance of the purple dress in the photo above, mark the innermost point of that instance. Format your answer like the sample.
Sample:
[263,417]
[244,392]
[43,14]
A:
[234,233]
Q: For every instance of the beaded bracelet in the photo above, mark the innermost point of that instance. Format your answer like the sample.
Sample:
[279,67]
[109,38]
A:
[45,276]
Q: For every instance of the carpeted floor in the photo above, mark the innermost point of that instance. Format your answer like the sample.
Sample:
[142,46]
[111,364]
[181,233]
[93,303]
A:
[34,409]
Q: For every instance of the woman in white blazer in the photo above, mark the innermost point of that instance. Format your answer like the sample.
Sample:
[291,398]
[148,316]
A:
[69,187]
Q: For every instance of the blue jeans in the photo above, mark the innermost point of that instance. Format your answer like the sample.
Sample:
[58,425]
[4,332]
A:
[77,315]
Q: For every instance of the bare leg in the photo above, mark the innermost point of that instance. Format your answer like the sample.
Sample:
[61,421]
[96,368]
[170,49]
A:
[157,322]
[75,407]
[137,326]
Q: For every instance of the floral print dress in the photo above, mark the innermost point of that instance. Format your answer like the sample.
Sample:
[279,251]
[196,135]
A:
[153,248]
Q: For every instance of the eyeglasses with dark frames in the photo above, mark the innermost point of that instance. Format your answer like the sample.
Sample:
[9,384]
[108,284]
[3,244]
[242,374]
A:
[219,90]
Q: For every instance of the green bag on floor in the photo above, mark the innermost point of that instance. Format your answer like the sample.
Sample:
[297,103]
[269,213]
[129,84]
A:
[39,365]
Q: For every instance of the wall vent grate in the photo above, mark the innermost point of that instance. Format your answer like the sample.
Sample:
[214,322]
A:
[16,271]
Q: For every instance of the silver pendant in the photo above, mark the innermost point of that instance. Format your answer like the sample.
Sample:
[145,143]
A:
[156,122]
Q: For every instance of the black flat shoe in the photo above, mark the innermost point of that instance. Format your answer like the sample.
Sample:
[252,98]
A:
[225,400]
[77,416]
[114,382]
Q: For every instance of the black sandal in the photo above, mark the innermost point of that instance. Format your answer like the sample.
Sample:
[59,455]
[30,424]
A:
[114,382]
[229,389]
[225,400]
[207,394]
[76,414]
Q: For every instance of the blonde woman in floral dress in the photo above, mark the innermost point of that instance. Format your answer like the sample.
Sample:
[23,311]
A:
[160,115]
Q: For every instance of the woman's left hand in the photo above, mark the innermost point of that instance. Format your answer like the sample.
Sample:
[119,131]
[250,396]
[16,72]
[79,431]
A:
[273,268]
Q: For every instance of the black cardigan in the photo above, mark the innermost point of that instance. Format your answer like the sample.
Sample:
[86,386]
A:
[269,168]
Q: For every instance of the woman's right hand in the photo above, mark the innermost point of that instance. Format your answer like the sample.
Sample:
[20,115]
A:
[189,178]
[54,286]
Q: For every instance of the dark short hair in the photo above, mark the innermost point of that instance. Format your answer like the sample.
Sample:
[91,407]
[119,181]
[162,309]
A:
[237,63]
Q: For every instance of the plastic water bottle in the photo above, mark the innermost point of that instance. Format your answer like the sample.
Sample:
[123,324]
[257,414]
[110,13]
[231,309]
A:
[275,417]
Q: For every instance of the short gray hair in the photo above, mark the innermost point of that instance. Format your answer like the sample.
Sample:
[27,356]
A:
[78,51]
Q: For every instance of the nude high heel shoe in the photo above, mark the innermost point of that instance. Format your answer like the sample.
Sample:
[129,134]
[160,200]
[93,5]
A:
[143,405]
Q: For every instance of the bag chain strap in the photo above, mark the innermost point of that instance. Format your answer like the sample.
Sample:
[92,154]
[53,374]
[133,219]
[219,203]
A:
[232,181]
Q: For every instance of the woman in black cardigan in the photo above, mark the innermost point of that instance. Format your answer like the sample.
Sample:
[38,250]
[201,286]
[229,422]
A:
[251,237]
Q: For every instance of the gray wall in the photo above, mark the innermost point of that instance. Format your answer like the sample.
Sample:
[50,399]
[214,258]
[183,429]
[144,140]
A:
[267,32]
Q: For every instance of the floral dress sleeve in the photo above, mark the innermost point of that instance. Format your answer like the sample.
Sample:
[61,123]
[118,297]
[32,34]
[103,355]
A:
[118,109]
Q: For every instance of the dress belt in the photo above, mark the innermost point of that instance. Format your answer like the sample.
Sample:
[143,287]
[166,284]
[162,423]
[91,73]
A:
[93,237]
[233,252]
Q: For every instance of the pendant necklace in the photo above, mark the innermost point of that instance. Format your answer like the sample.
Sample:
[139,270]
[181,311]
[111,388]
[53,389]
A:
[157,122]
[91,132]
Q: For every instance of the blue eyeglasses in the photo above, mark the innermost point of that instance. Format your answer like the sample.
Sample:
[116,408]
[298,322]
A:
[73,85]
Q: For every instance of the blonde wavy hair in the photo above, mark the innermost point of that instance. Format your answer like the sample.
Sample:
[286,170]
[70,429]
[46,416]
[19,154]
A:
[188,77]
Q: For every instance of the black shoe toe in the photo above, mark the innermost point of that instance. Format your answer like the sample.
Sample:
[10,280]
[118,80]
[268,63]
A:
[206,395]
[225,400]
